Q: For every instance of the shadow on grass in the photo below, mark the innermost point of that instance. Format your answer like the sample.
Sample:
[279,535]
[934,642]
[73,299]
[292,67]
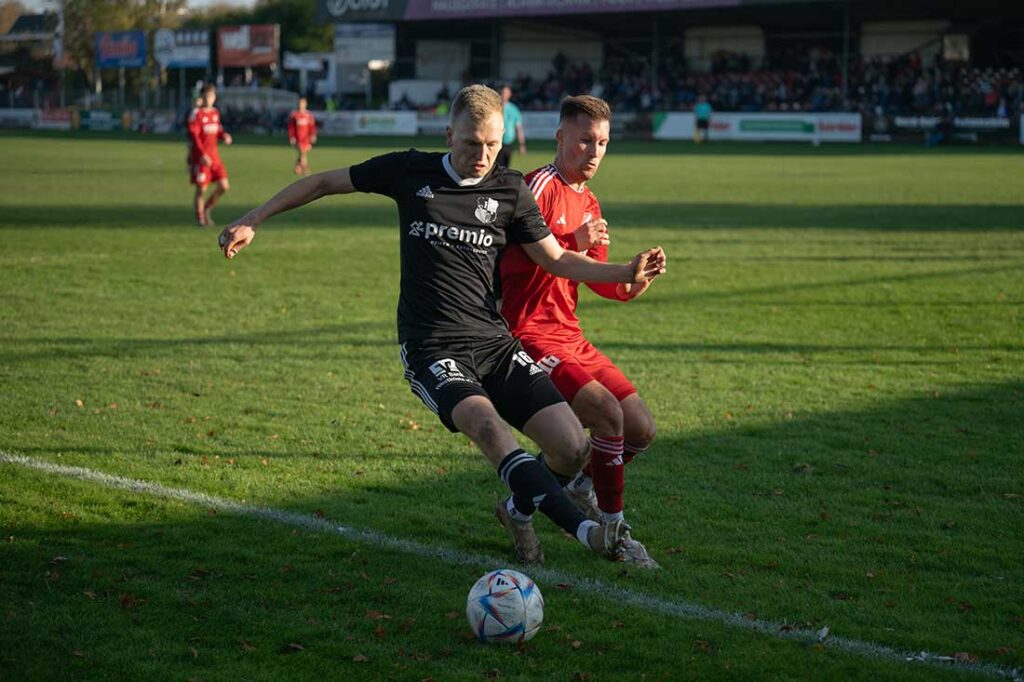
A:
[745,294]
[339,213]
[316,339]
[780,518]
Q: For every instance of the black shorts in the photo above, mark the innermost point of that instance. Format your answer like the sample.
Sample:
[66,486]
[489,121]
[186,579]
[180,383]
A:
[444,372]
[504,157]
[702,123]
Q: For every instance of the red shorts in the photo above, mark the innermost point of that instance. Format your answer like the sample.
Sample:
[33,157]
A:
[203,175]
[573,365]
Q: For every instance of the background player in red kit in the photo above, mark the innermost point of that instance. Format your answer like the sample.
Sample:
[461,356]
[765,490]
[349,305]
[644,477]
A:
[302,135]
[541,311]
[204,131]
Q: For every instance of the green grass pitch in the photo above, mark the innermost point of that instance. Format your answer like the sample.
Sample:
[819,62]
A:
[835,359]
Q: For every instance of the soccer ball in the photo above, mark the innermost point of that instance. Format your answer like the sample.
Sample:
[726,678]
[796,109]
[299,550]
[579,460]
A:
[504,606]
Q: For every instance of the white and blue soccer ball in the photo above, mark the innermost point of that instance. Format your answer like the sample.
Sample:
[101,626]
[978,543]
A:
[505,606]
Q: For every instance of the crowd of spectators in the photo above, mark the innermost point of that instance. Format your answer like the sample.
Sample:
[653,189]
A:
[785,82]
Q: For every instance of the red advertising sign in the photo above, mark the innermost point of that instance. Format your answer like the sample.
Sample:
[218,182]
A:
[248,45]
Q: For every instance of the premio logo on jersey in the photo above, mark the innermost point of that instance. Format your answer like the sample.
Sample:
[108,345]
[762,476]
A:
[486,209]
[449,234]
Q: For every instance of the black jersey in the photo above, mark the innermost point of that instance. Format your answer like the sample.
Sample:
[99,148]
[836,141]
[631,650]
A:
[451,236]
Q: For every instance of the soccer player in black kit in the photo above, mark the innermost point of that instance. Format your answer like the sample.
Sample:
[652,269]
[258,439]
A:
[456,212]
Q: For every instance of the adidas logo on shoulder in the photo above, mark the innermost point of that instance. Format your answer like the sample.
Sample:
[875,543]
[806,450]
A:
[561,220]
[425,192]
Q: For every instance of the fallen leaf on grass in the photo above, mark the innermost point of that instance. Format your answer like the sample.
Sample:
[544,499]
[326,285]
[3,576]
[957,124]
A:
[292,648]
[246,645]
[452,615]
[78,653]
[576,644]
[965,657]
[359,658]
[377,615]
[703,645]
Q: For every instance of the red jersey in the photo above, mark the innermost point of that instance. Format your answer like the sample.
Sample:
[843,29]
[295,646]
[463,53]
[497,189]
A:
[204,130]
[301,127]
[535,302]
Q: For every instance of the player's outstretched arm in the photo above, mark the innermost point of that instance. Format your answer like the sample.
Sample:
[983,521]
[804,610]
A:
[240,233]
[549,255]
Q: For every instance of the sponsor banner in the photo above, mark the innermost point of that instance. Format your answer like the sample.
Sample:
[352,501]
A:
[355,123]
[187,48]
[18,118]
[120,49]
[793,127]
[914,129]
[540,125]
[100,119]
[360,43]
[248,45]
[431,124]
[54,119]
[397,10]
[673,126]
[303,61]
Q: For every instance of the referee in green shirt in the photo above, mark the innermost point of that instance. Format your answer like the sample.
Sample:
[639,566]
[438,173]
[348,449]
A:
[513,129]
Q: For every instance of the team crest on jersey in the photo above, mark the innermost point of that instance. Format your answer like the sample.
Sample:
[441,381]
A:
[486,209]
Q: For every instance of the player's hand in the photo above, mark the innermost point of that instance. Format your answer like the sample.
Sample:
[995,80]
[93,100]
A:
[313,140]
[648,264]
[591,233]
[205,160]
[228,139]
[522,148]
[292,142]
[237,236]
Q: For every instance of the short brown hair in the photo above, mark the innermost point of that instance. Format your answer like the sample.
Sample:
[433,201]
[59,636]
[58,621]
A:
[207,87]
[592,107]
[479,101]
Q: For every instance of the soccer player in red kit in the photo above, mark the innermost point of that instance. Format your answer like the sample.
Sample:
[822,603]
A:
[302,135]
[204,131]
[541,312]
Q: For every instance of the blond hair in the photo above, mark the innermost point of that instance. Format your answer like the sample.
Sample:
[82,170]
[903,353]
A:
[592,107]
[479,101]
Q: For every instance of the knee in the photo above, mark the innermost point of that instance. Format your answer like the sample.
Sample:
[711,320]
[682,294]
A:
[487,431]
[640,431]
[604,415]
[570,453]
[225,185]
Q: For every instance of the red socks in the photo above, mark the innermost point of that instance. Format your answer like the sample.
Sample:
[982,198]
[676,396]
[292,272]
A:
[606,469]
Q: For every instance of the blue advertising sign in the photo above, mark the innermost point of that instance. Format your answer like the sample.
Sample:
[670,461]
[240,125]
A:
[116,49]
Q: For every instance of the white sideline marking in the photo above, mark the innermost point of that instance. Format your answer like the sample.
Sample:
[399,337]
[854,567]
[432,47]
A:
[598,588]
